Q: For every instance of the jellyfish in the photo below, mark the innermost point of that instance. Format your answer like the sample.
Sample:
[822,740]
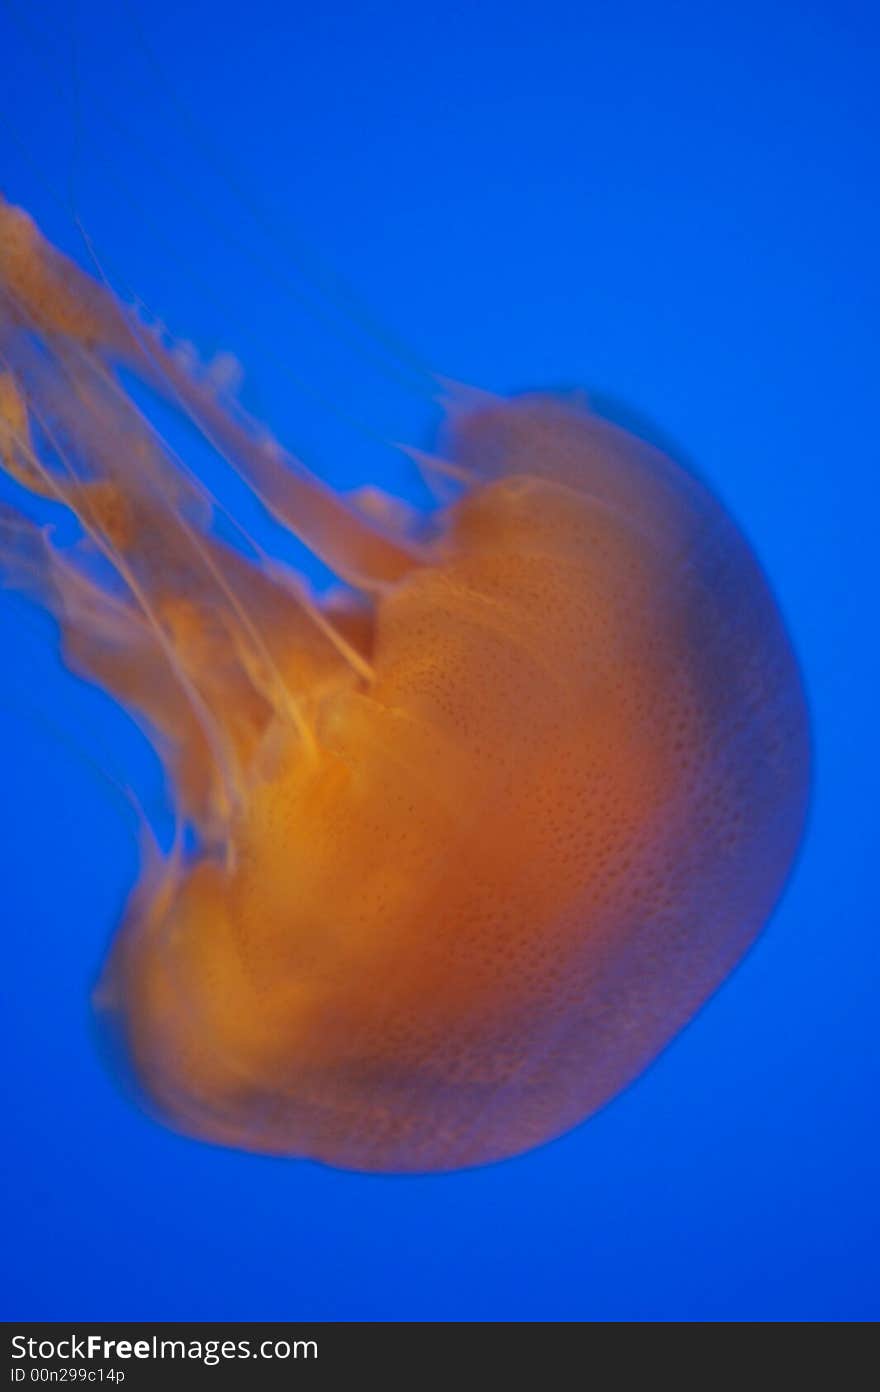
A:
[461,845]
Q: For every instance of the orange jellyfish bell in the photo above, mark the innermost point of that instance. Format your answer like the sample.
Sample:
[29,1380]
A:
[471,847]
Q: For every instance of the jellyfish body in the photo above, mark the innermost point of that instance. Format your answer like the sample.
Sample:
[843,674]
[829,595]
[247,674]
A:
[475,844]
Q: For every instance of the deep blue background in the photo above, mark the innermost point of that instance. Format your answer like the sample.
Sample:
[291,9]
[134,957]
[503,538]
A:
[673,203]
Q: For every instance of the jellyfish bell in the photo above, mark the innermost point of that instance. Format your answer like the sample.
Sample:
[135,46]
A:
[471,845]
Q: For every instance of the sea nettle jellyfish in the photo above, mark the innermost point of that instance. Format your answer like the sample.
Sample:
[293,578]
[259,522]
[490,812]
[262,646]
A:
[458,854]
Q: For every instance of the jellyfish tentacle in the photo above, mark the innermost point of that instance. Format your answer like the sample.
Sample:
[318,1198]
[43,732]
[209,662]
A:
[228,576]
[228,790]
[455,395]
[153,858]
[16,445]
[329,624]
[358,551]
[436,464]
[115,502]
[52,292]
[59,298]
[206,635]
[131,511]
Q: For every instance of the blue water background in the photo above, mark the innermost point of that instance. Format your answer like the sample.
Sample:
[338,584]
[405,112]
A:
[673,204]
